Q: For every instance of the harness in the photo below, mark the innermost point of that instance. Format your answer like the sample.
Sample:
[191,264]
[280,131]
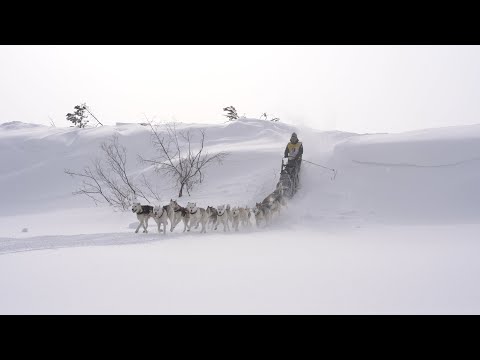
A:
[182,209]
[163,210]
[194,212]
[145,212]
[214,212]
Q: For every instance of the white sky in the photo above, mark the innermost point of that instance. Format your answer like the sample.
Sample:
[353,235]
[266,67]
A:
[350,88]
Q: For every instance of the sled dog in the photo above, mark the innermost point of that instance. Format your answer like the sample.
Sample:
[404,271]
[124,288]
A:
[144,212]
[229,213]
[244,216]
[160,215]
[179,214]
[198,215]
[235,217]
[262,212]
[222,217]
[212,216]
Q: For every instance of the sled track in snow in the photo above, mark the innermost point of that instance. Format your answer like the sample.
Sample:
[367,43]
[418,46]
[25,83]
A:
[53,242]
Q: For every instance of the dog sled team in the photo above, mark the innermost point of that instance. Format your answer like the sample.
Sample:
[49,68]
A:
[223,216]
[229,218]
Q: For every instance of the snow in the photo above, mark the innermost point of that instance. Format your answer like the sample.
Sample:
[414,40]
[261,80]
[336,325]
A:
[395,232]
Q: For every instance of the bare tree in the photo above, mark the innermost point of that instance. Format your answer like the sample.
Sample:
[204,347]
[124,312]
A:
[52,123]
[181,155]
[89,110]
[106,180]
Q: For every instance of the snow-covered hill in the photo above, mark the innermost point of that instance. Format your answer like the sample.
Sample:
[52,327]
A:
[390,234]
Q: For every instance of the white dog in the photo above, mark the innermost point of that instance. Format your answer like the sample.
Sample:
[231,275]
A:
[249,216]
[222,217]
[179,214]
[236,218]
[197,216]
[170,213]
[160,215]
[144,212]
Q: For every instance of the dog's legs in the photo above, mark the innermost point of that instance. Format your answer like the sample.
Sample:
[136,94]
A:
[191,223]
[138,227]
[187,223]
[178,220]
[174,222]
[145,224]
[171,218]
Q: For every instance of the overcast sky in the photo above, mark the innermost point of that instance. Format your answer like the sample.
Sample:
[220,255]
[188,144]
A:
[350,88]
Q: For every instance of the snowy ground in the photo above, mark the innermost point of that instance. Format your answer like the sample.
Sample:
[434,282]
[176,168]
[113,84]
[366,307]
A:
[396,231]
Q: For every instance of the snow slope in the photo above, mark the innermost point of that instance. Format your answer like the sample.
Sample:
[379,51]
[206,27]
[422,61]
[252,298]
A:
[395,232]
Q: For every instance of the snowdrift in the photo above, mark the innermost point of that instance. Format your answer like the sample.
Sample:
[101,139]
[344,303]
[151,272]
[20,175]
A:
[421,177]
[338,248]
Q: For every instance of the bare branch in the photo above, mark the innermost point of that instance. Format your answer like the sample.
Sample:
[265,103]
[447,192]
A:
[180,155]
[107,180]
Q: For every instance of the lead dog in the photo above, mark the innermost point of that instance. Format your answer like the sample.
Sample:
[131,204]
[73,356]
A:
[198,215]
[144,212]
[222,217]
[160,215]
[235,217]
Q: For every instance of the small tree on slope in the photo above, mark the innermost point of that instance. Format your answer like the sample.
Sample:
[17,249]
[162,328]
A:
[79,117]
[231,113]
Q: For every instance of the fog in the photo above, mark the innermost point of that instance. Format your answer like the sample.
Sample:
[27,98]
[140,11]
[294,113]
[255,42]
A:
[349,88]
